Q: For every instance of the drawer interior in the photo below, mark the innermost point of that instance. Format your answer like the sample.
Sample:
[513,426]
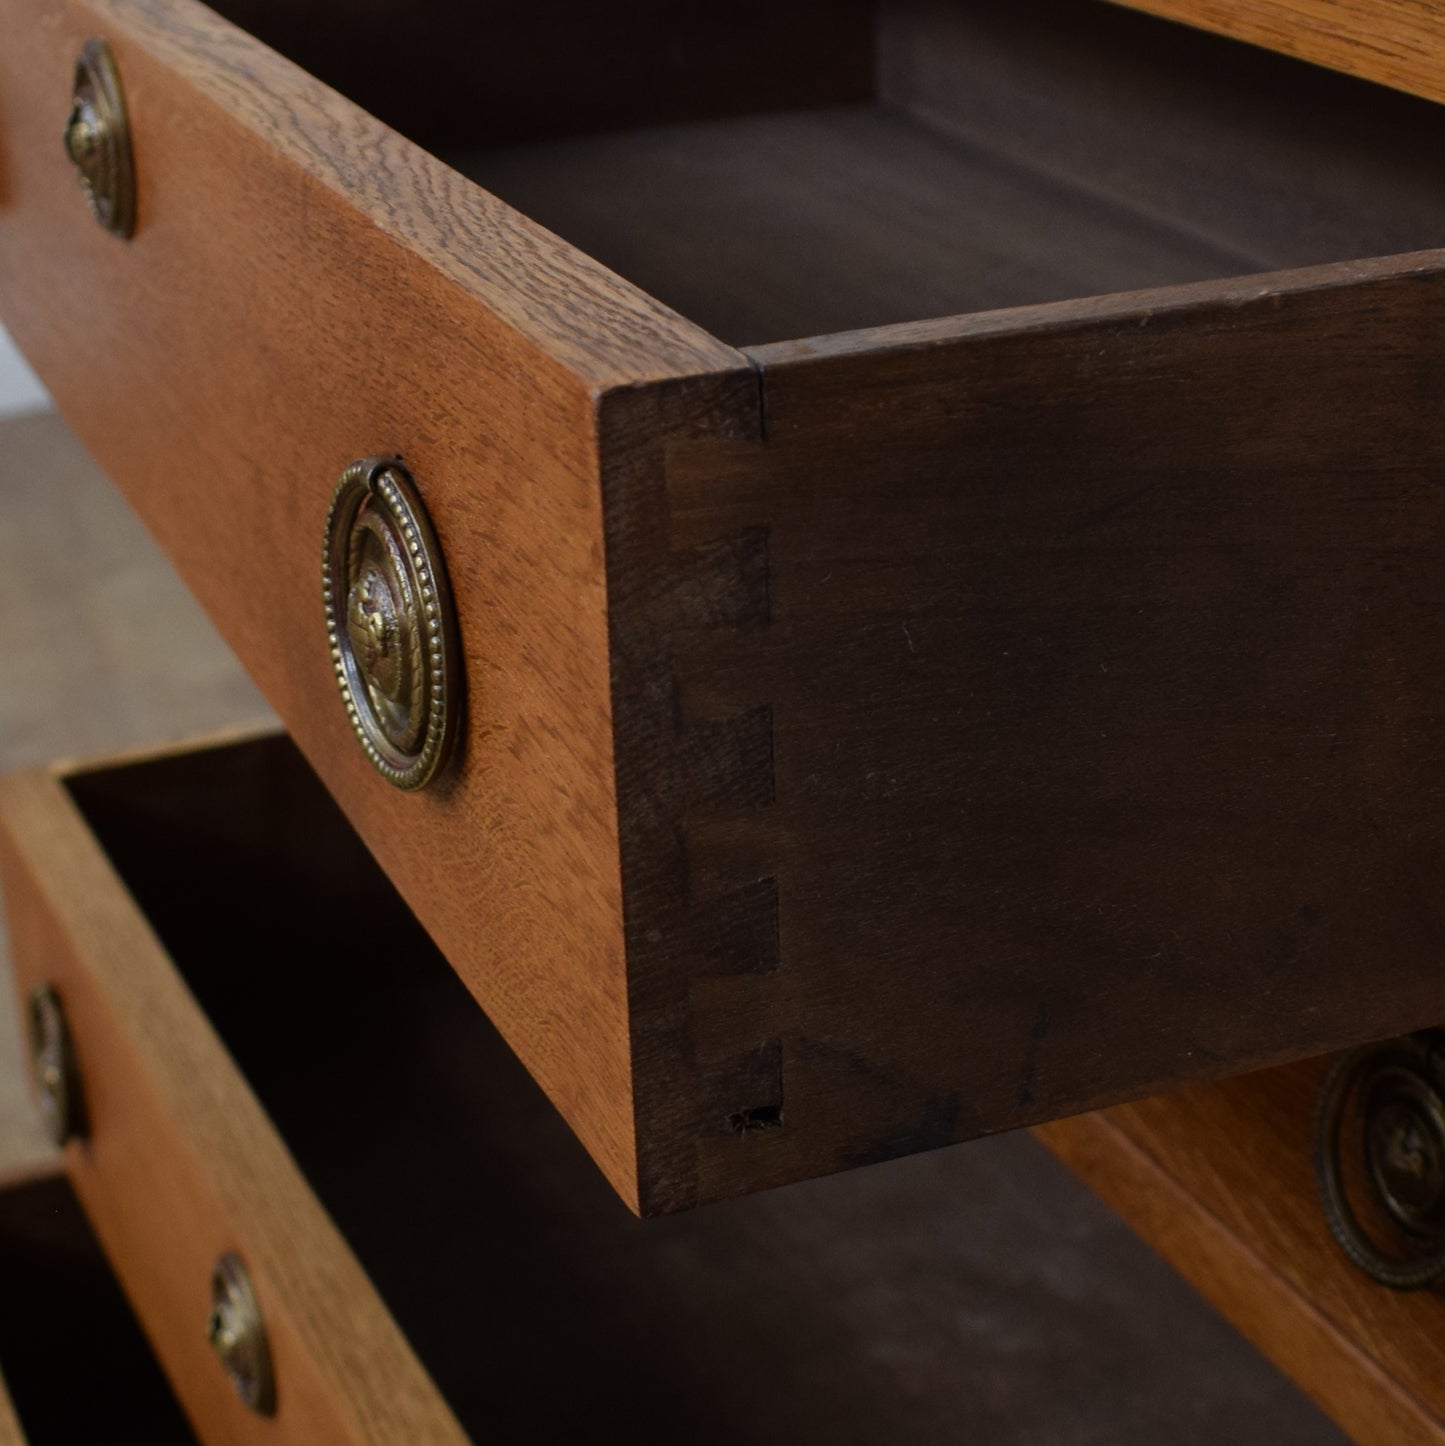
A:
[76,1366]
[799,169]
[845,1310]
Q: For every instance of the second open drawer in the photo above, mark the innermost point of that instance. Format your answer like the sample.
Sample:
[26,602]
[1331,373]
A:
[271,1063]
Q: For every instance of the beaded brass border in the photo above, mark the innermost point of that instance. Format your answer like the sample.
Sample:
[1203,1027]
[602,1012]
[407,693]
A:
[97,140]
[385,483]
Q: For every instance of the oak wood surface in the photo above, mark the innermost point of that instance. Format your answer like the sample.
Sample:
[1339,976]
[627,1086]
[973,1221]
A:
[910,654]
[179,1164]
[943,1297]
[1218,1179]
[1399,43]
[456,333]
[1055,725]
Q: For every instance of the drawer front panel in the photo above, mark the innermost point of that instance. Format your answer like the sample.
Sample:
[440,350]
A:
[304,288]
[178,1165]
[1218,1179]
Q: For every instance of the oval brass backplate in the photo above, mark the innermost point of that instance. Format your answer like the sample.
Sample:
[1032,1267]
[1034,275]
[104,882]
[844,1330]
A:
[390,623]
[97,139]
[238,1335]
[53,1064]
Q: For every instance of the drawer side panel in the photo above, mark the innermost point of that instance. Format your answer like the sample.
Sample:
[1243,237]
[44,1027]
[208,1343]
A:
[1218,1180]
[304,289]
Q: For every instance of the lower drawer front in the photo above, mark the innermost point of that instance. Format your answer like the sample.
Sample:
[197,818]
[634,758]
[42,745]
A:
[209,918]
[177,1165]
[1219,1179]
[78,1369]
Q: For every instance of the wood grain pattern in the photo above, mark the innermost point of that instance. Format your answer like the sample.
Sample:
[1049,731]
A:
[875,741]
[1400,43]
[1218,1179]
[456,333]
[180,1163]
[501,1251]
[1094,760]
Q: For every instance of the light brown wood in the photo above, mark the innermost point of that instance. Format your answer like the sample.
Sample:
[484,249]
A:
[10,1432]
[844,715]
[180,1163]
[455,332]
[1218,1179]
[506,1255]
[1399,43]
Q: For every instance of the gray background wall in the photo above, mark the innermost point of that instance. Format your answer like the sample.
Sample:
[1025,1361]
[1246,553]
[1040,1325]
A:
[20,391]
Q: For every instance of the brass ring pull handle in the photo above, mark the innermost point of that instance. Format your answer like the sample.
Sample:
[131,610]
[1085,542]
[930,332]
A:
[238,1335]
[97,140]
[53,1065]
[390,622]
[1398,1087]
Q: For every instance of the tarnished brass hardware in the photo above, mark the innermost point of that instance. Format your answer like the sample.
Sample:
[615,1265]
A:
[390,623]
[1396,1093]
[97,139]
[53,1063]
[238,1334]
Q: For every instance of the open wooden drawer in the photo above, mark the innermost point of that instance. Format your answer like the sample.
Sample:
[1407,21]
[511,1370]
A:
[77,1368]
[872,740]
[275,1064]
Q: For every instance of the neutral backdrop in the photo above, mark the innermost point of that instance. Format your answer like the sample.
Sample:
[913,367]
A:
[20,391]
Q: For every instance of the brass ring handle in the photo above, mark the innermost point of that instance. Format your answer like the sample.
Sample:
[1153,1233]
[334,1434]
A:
[1398,1085]
[390,623]
[238,1335]
[97,140]
[52,1063]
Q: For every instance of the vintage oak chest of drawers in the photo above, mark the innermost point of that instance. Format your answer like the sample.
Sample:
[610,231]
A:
[863,742]
[917,617]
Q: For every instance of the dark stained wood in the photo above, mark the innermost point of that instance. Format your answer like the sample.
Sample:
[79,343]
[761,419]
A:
[1276,162]
[1078,712]
[1218,1179]
[876,740]
[779,226]
[446,72]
